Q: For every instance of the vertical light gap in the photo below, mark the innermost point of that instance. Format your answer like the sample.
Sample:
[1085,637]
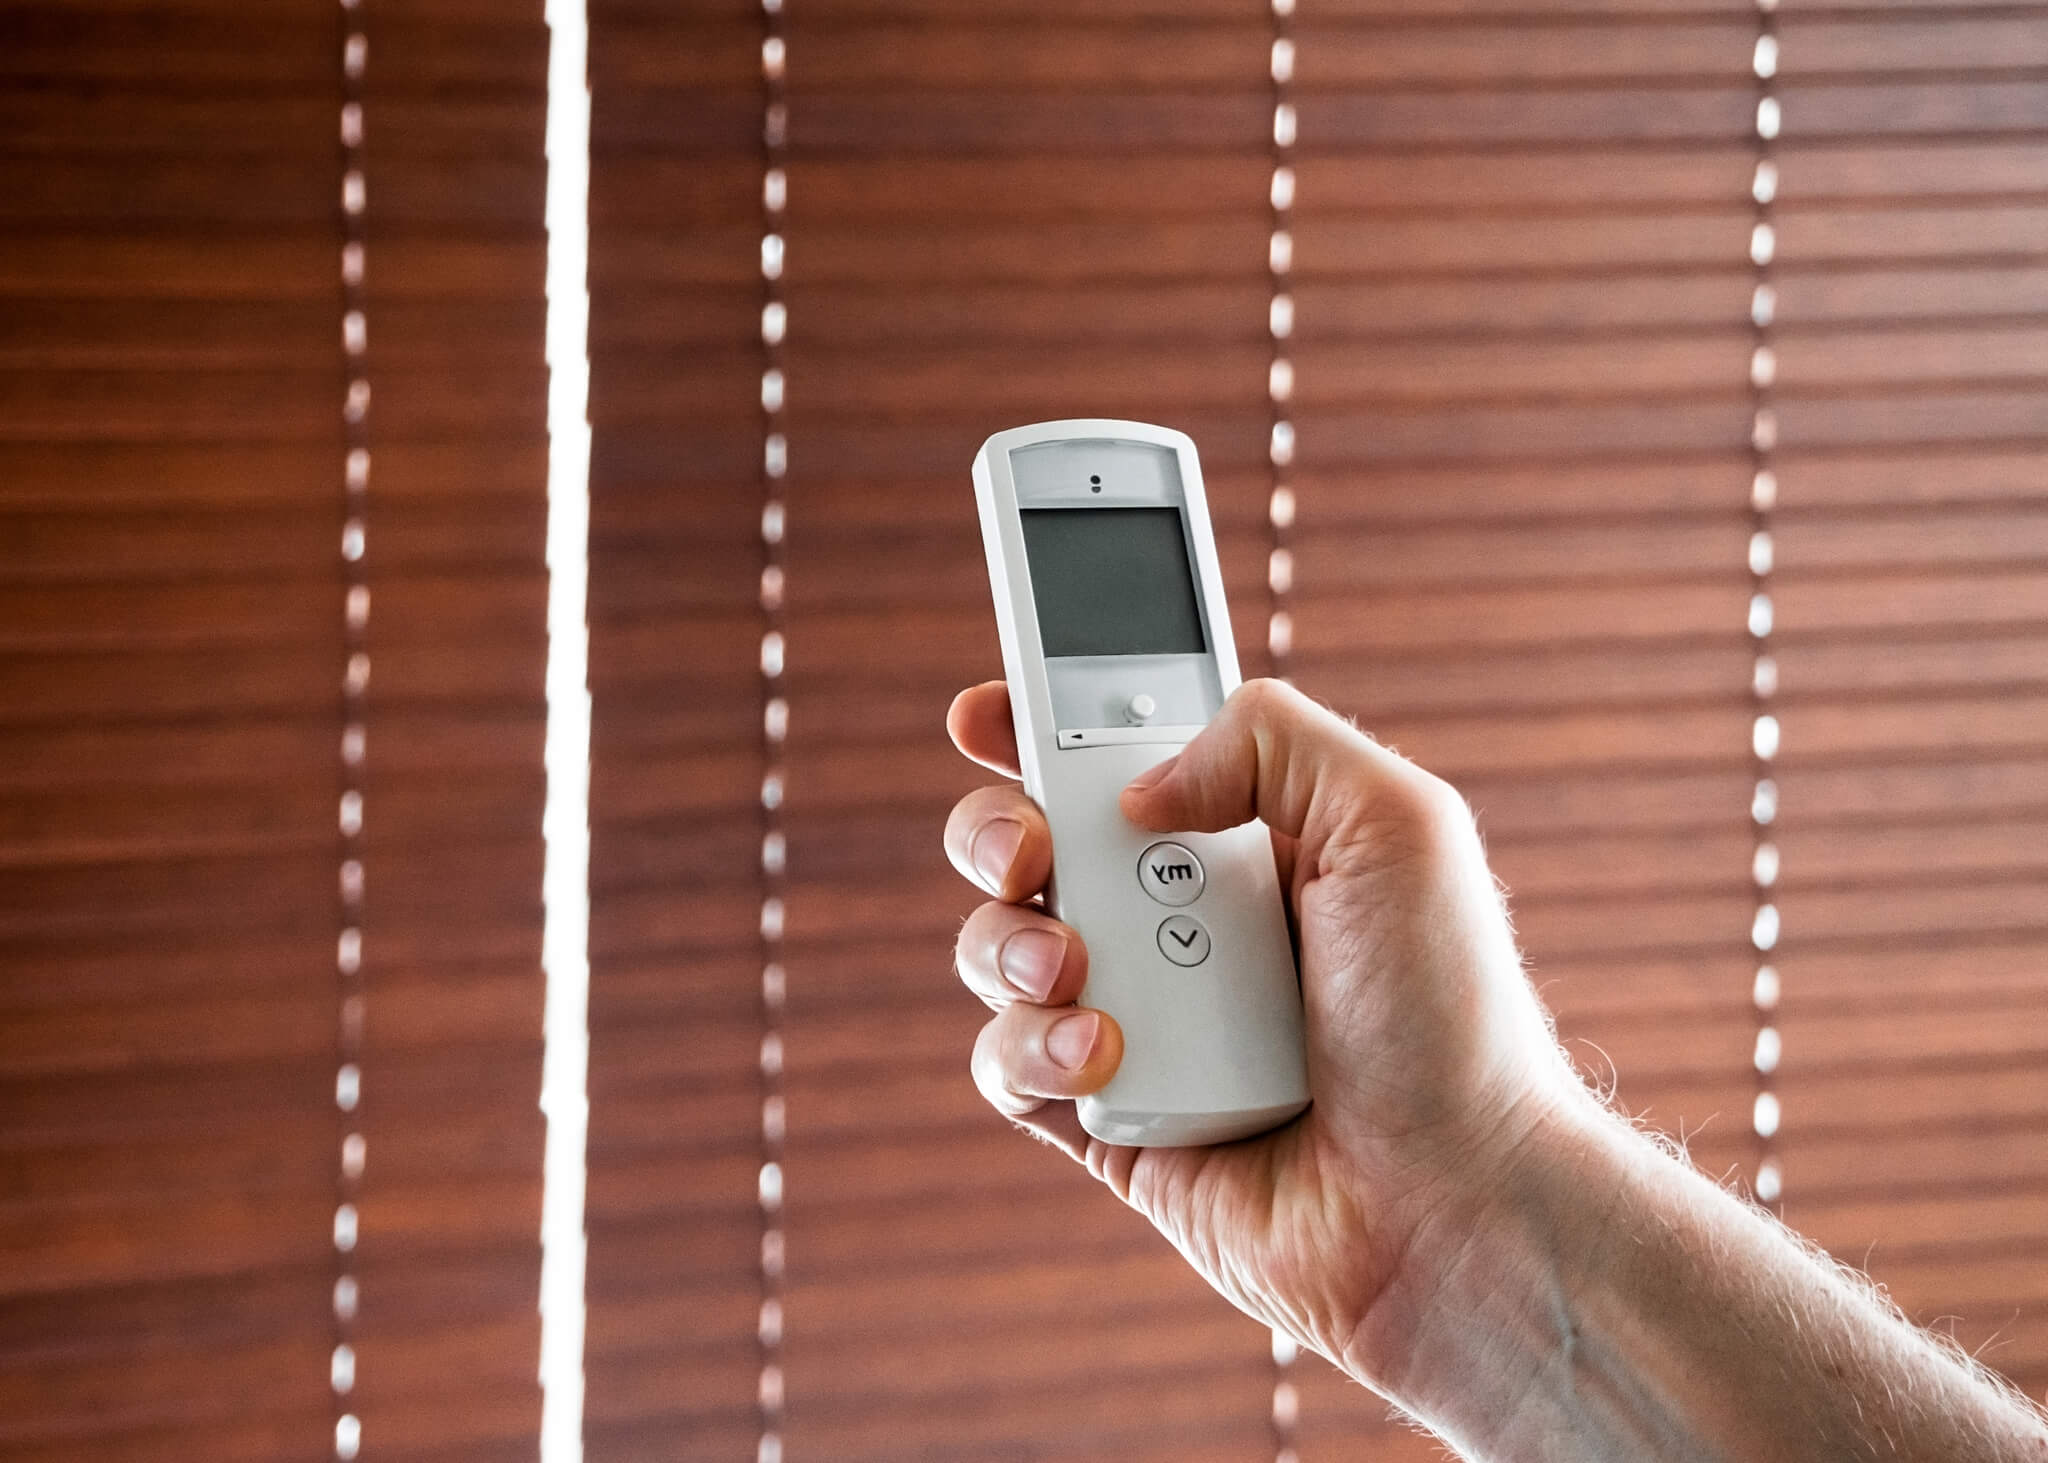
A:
[352,749]
[770,1392]
[565,823]
[1765,731]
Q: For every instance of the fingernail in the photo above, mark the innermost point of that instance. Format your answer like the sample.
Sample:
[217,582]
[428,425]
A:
[1031,960]
[1152,775]
[1072,1038]
[995,849]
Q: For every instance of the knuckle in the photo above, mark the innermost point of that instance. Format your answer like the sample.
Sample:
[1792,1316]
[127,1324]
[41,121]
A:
[974,948]
[986,1065]
[1438,805]
[1262,699]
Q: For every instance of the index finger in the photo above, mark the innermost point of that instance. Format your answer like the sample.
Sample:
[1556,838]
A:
[1274,754]
[979,723]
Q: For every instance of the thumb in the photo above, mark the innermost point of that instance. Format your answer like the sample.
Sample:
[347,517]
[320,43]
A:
[1274,754]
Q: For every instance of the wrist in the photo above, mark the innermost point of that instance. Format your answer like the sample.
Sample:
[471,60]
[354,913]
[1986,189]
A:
[1481,1290]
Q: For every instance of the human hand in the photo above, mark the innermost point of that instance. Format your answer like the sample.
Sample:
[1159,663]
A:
[1430,1060]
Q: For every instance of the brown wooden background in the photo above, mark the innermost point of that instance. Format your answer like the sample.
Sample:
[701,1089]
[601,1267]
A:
[1522,286]
[1524,403]
[172,659]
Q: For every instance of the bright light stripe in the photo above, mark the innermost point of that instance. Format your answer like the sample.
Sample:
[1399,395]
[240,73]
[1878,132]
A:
[565,880]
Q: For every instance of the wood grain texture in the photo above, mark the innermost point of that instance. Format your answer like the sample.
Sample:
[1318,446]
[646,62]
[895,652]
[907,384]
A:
[1521,294]
[170,609]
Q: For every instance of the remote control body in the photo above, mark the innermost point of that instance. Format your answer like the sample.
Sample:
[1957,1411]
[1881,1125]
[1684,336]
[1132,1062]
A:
[1117,647]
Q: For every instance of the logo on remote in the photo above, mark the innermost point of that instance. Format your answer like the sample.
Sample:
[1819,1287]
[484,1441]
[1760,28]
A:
[1173,873]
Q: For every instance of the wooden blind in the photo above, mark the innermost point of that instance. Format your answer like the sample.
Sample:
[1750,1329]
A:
[1633,412]
[272,635]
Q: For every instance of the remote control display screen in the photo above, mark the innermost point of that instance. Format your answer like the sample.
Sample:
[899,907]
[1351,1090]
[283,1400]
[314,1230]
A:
[1112,581]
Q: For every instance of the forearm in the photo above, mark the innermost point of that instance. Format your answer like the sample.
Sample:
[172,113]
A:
[1606,1302]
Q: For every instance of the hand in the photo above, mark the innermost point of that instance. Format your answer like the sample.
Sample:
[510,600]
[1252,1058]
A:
[1430,1060]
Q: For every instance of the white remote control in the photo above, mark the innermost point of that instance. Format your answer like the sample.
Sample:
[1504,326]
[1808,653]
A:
[1117,648]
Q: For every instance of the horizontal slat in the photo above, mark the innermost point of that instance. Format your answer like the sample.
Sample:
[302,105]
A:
[1824,732]
[410,335]
[1022,381]
[1813,853]
[938,122]
[1695,364]
[1378,498]
[181,45]
[1910,601]
[847,1313]
[2006,1032]
[504,671]
[85,1107]
[651,190]
[407,538]
[265,751]
[470,1408]
[289,266]
[1707,297]
[273,193]
[1911,1097]
[283,1164]
[892,58]
[926,1375]
[1893,977]
[1988,414]
[400,1299]
[1907,1225]
[615,11]
[260,407]
[838,56]
[254,612]
[1195,1403]
[690,852]
[137,122]
[1331,244]
[159,476]
[470,1008]
[1230,311]
[2017,905]
[1548,179]
[1404,686]
[53,1401]
[1358,624]
[1395,559]
[1884,792]
[419,818]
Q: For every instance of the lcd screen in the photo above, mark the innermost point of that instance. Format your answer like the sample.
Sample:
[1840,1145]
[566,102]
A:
[1112,581]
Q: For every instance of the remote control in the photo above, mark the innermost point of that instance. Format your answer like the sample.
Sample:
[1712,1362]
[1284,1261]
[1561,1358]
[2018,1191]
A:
[1117,647]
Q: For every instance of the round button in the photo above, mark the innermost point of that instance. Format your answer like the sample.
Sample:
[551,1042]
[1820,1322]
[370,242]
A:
[1183,940]
[1140,709]
[1170,874]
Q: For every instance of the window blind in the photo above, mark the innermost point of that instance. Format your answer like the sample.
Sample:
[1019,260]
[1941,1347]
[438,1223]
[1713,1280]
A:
[1631,413]
[272,637]
[1669,464]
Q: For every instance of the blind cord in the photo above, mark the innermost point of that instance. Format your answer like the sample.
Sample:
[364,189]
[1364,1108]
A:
[1286,1399]
[1765,931]
[355,683]
[774,726]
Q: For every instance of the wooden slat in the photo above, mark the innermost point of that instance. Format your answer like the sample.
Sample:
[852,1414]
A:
[171,519]
[1521,339]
